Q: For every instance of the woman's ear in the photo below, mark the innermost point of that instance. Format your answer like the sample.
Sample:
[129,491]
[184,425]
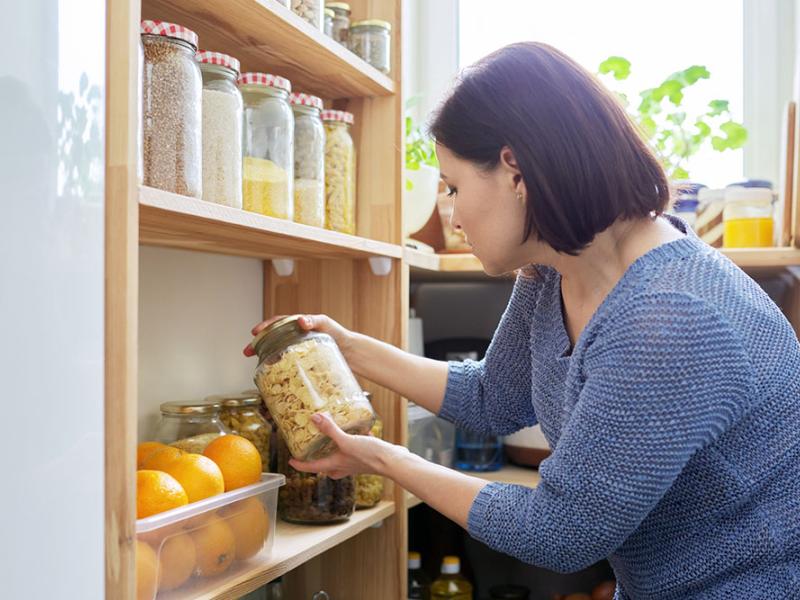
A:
[508,162]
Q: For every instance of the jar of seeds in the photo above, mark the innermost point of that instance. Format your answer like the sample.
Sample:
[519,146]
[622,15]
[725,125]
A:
[341,20]
[241,415]
[222,129]
[309,10]
[372,40]
[309,160]
[171,109]
[340,172]
[268,145]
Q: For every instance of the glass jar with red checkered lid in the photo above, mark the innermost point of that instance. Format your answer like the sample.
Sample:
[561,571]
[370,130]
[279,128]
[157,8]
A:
[340,172]
[171,109]
[309,160]
[268,145]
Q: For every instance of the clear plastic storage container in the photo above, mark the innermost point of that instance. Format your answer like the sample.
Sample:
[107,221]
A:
[340,172]
[310,11]
[341,21]
[190,426]
[309,160]
[429,436]
[372,41]
[171,109]
[242,416]
[268,145]
[301,373]
[177,551]
[222,129]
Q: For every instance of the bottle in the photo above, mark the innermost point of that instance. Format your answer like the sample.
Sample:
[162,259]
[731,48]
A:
[419,584]
[451,585]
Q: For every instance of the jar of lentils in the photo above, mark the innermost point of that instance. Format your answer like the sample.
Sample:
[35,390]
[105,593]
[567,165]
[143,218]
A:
[341,20]
[268,145]
[171,109]
[241,415]
[222,129]
[340,172]
[372,41]
[310,11]
[309,160]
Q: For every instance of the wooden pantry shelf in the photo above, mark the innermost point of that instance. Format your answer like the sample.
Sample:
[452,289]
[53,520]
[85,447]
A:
[294,545]
[266,36]
[175,221]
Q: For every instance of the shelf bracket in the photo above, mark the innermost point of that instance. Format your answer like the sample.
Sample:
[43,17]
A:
[380,265]
[284,267]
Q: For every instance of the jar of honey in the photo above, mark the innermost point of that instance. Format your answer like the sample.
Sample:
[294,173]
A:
[748,218]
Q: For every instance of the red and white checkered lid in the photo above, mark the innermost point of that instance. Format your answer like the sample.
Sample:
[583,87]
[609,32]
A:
[179,32]
[218,58]
[267,80]
[338,115]
[307,100]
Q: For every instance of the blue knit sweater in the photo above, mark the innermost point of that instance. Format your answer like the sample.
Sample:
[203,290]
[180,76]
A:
[674,424]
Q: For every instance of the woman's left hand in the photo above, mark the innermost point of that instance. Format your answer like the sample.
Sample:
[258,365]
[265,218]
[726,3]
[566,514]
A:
[356,453]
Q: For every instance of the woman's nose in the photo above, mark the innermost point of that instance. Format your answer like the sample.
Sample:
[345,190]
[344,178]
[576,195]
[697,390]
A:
[455,222]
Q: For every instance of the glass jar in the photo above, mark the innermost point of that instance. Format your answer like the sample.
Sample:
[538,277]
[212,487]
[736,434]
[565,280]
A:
[310,11]
[139,121]
[369,487]
[309,160]
[312,498]
[372,41]
[340,172]
[341,21]
[748,218]
[268,145]
[190,426]
[171,109]
[327,25]
[241,415]
[222,129]
[301,373]
[476,452]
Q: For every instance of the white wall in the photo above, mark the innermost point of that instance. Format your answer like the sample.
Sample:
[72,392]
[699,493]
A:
[195,315]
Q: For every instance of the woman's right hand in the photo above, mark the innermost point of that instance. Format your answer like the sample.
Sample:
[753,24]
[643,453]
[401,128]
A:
[322,323]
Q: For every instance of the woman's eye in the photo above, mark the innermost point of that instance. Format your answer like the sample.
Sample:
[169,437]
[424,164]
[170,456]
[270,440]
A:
[451,191]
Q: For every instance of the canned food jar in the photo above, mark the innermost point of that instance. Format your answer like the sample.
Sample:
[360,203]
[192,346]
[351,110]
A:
[340,172]
[748,218]
[301,373]
[309,160]
[369,487]
[241,415]
[190,426]
[268,145]
[372,41]
[341,21]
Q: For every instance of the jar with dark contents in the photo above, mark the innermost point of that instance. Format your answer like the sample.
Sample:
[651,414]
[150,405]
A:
[310,498]
[241,415]
[172,89]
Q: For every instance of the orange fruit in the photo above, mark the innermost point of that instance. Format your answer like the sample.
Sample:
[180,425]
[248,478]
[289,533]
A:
[237,458]
[156,492]
[145,450]
[146,571]
[161,459]
[198,475]
[176,561]
[215,545]
[250,525]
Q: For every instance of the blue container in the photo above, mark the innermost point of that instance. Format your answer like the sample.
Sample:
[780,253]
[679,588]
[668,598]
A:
[475,452]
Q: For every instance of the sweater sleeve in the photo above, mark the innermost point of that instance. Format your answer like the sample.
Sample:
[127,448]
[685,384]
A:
[662,381]
[493,396]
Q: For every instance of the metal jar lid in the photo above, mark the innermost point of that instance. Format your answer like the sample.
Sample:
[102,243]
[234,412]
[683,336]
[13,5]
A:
[236,400]
[372,23]
[190,408]
[277,335]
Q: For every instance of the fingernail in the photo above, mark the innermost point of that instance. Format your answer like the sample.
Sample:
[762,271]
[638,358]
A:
[317,418]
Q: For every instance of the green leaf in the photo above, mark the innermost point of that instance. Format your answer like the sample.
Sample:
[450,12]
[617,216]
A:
[409,185]
[703,128]
[671,89]
[618,66]
[735,134]
[680,173]
[717,107]
[695,73]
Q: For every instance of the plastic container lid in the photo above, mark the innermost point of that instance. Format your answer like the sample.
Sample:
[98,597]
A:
[306,100]
[267,80]
[170,30]
[451,565]
[190,408]
[752,183]
[372,23]
[206,57]
[414,560]
[338,115]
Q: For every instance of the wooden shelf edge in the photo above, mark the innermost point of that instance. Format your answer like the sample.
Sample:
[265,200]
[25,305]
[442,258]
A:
[176,221]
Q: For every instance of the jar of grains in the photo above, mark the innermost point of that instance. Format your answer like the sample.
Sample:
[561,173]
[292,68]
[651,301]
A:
[340,172]
[309,160]
[222,129]
[309,10]
[371,40]
[241,415]
[171,106]
[327,26]
[268,145]
[341,21]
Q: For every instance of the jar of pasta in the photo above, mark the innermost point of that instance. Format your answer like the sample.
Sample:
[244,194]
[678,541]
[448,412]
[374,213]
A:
[309,160]
[267,145]
[240,414]
[311,498]
[369,487]
[190,426]
[372,41]
[301,373]
[340,172]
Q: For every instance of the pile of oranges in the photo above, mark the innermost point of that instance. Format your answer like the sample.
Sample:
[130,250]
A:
[209,543]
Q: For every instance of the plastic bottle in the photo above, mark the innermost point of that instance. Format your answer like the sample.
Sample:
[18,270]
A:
[451,585]
[419,584]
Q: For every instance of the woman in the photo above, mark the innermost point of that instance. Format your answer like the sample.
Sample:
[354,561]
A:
[666,382]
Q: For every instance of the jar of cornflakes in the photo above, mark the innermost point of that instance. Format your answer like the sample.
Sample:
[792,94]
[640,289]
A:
[240,414]
[340,172]
[369,487]
[301,373]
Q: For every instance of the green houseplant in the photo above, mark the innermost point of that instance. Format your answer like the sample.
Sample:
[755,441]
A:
[421,178]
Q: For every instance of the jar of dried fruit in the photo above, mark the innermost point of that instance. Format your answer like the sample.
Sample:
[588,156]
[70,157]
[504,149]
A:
[369,487]
[240,414]
[340,172]
[190,426]
[312,498]
[301,373]
[309,160]
[171,109]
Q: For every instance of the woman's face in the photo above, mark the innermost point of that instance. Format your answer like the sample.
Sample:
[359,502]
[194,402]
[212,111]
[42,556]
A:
[488,209]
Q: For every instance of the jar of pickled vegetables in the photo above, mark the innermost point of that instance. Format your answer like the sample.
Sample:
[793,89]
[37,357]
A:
[369,487]
[190,426]
[309,160]
[241,415]
[267,145]
[748,218]
[340,172]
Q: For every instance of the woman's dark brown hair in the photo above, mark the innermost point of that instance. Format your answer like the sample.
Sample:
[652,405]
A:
[583,162]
